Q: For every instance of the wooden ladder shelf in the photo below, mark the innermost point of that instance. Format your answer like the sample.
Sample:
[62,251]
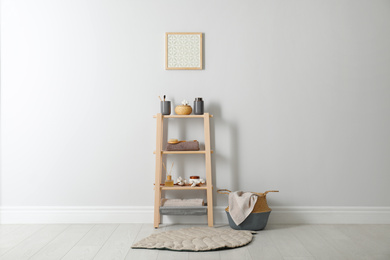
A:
[159,160]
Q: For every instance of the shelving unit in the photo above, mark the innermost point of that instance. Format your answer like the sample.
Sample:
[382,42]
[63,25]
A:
[159,156]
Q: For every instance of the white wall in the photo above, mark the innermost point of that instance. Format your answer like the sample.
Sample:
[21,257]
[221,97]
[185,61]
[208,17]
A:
[300,92]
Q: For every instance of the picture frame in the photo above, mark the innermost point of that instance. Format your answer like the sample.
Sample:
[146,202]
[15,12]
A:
[183,51]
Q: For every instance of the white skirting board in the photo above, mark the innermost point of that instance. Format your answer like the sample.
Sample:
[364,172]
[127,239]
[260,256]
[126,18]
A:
[137,214]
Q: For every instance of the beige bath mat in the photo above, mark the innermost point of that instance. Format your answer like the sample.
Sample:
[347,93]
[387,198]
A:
[196,239]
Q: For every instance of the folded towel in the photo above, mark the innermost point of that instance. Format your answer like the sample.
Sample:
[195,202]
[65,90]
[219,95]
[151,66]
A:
[241,205]
[184,146]
[182,203]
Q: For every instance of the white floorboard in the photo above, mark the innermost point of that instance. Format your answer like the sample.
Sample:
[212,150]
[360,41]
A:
[262,247]
[315,243]
[371,245]
[241,253]
[34,243]
[285,241]
[119,243]
[5,229]
[64,242]
[340,241]
[113,241]
[12,239]
[91,243]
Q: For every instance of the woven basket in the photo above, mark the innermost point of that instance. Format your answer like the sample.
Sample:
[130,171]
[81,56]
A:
[258,218]
[261,203]
[183,110]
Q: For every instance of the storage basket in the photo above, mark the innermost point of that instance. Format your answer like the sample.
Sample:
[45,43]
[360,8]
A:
[258,218]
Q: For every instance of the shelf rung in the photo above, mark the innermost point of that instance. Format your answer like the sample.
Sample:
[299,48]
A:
[184,152]
[203,187]
[183,116]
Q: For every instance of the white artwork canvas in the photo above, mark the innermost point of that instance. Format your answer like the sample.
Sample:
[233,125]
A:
[183,51]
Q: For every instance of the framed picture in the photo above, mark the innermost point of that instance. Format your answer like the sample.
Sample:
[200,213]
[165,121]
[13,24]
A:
[183,51]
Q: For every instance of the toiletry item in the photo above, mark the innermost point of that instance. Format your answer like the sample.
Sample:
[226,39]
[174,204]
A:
[196,181]
[173,141]
[169,181]
[180,181]
[184,108]
[176,141]
[198,106]
[183,146]
[166,107]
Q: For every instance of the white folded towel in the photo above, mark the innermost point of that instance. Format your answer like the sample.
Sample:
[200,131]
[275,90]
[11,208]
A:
[181,203]
[241,205]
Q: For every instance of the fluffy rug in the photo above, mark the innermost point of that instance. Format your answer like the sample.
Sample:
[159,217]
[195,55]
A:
[196,239]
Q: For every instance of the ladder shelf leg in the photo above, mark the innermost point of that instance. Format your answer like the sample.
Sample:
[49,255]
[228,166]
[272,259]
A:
[157,189]
[209,179]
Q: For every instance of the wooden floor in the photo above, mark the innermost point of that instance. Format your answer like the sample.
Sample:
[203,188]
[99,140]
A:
[113,241]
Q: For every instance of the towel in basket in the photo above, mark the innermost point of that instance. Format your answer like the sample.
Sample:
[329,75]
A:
[258,218]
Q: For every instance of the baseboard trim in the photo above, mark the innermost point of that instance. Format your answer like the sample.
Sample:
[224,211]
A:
[330,215]
[138,214]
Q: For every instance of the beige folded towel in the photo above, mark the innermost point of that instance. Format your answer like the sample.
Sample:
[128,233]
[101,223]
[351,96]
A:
[182,203]
[241,205]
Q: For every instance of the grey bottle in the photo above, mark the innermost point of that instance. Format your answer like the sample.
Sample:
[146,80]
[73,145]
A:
[198,106]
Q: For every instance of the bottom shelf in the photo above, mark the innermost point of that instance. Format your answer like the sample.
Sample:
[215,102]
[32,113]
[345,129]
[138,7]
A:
[201,210]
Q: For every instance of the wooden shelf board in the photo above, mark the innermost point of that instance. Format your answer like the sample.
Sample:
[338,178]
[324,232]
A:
[184,152]
[183,116]
[176,187]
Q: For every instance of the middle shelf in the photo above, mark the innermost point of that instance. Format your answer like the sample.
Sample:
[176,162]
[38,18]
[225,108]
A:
[184,152]
[177,187]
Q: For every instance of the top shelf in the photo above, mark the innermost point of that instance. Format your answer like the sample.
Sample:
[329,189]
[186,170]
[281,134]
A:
[183,116]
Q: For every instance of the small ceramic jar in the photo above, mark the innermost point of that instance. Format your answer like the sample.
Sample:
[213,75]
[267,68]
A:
[196,181]
[183,110]
[198,106]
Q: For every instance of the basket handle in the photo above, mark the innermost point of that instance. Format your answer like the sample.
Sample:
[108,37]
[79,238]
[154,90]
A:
[265,193]
[223,191]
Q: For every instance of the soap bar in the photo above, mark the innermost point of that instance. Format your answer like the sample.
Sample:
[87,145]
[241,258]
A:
[173,141]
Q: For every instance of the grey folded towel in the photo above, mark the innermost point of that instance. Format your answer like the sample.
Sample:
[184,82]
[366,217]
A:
[182,203]
[184,146]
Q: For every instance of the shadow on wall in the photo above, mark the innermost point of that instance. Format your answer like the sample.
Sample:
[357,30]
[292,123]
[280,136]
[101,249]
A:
[229,158]
[232,160]
[204,52]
